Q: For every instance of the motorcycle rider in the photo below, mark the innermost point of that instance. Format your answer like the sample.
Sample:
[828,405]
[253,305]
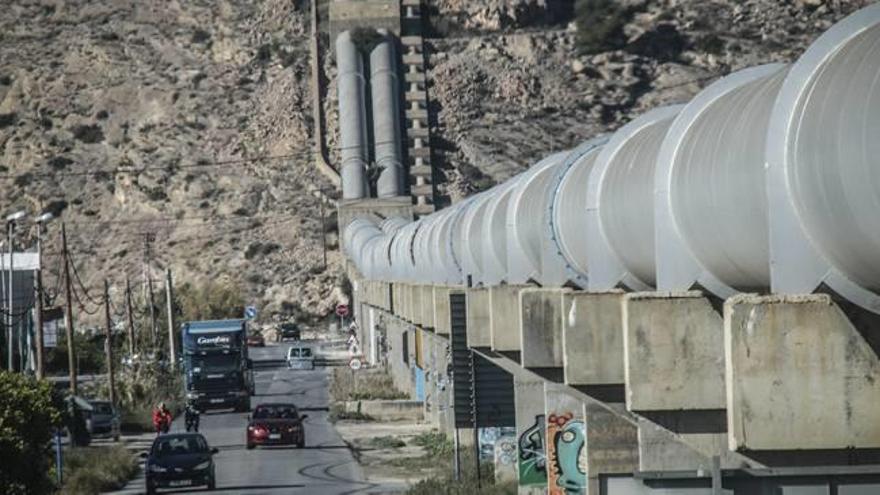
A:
[191,417]
[161,418]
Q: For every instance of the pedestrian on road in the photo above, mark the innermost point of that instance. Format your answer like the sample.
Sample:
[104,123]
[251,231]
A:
[161,419]
[191,417]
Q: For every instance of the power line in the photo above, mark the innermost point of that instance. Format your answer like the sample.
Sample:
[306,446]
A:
[138,170]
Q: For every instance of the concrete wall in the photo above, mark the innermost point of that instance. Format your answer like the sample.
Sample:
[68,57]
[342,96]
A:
[566,437]
[478,317]
[530,433]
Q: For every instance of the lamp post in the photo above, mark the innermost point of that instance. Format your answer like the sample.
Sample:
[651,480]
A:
[10,333]
[40,221]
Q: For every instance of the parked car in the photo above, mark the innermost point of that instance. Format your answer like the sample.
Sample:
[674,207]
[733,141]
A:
[180,460]
[300,358]
[289,331]
[102,420]
[256,339]
[276,424]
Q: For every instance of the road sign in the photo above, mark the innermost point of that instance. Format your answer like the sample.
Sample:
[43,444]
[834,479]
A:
[250,312]
[355,364]
[342,310]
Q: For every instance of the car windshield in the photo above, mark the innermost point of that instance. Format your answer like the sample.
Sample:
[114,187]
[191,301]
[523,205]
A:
[170,445]
[300,352]
[276,412]
[288,326]
[102,408]
[214,364]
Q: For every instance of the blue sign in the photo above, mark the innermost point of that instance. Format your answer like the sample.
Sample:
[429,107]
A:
[250,312]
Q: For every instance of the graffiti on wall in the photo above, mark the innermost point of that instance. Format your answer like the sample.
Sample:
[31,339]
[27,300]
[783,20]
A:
[505,451]
[489,436]
[532,466]
[566,455]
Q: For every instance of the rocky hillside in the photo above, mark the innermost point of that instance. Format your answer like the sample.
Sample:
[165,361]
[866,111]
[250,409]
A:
[512,79]
[147,116]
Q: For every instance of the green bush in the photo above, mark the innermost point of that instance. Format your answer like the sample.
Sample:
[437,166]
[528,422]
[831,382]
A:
[97,469]
[469,486]
[28,413]
[600,25]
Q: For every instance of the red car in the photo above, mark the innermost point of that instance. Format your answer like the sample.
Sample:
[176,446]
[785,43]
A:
[256,340]
[276,424]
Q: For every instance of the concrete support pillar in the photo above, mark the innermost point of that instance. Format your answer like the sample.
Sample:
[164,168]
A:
[426,300]
[541,331]
[592,343]
[442,320]
[531,431]
[612,443]
[565,446]
[478,317]
[800,376]
[415,311]
[505,317]
[674,360]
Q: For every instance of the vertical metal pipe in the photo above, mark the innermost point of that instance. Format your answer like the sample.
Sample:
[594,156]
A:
[10,332]
[384,90]
[352,118]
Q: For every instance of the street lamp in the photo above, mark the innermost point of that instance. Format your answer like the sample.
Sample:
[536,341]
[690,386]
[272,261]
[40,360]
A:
[10,226]
[40,221]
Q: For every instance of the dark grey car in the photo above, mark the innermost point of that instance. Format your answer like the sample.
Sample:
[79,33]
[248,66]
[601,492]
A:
[103,419]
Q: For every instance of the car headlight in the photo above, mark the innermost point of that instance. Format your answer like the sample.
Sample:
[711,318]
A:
[155,468]
[204,465]
[192,395]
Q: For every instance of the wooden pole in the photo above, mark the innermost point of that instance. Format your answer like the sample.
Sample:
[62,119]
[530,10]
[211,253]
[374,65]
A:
[71,352]
[38,298]
[169,297]
[130,315]
[108,343]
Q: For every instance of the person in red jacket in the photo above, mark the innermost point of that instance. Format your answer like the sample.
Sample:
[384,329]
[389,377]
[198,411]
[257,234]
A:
[161,418]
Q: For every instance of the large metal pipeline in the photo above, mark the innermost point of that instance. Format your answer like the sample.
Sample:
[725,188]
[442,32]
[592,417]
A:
[824,175]
[385,91]
[620,207]
[710,191]
[766,181]
[352,118]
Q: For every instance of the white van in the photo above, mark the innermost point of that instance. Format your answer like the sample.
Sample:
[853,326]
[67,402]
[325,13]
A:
[300,358]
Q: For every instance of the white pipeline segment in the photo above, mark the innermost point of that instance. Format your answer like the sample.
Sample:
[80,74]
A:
[710,192]
[824,174]
[620,206]
[352,118]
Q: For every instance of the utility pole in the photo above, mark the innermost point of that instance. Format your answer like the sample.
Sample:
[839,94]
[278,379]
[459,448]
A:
[130,316]
[169,297]
[108,344]
[323,227]
[71,356]
[154,332]
[38,296]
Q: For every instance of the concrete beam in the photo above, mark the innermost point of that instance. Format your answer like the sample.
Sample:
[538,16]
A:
[415,311]
[478,317]
[541,331]
[592,343]
[800,376]
[674,352]
[505,317]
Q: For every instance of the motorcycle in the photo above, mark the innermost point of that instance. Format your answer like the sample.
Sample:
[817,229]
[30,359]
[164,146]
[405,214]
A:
[191,418]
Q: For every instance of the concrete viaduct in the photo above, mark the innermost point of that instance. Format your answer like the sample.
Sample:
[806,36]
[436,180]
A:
[690,305]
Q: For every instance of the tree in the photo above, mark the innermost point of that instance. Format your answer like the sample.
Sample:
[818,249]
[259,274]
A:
[28,413]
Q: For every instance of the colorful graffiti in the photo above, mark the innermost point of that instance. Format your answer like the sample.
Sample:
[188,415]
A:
[532,466]
[489,435]
[566,455]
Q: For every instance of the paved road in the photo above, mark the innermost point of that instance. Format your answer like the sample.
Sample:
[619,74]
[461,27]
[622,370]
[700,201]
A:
[325,466]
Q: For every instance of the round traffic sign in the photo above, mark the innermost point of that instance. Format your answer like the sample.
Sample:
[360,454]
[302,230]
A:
[355,364]
[342,310]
